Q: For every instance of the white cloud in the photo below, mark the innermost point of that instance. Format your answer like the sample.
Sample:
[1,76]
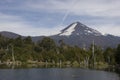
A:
[18,25]
[106,8]
[108,29]
[30,31]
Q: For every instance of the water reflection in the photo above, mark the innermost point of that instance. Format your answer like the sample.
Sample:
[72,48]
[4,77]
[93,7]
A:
[56,74]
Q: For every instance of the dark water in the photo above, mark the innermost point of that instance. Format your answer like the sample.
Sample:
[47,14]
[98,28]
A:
[56,74]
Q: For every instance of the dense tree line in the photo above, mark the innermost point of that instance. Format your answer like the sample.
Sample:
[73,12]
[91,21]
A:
[47,50]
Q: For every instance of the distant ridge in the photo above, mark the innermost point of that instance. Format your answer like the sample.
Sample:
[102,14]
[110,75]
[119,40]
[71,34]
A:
[9,34]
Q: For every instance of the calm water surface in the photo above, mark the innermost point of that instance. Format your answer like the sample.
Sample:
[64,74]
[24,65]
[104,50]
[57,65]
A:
[56,74]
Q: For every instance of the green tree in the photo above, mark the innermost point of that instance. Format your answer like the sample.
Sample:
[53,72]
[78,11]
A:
[18,42]
[47,44]
[117,55]
[28,40]
[109,55]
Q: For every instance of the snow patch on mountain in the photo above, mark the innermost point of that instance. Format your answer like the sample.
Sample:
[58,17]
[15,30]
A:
[92,31]
[69,31]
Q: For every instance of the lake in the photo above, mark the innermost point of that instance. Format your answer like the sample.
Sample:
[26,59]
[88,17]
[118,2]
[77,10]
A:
[56,74]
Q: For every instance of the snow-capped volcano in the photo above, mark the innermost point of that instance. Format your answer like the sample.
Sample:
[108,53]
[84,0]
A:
[78,28]
[79,34]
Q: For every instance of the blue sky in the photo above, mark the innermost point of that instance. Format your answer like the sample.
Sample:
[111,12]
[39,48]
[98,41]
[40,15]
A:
[48,17]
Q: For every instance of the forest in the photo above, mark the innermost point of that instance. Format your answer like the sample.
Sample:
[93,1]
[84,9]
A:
[25,50]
